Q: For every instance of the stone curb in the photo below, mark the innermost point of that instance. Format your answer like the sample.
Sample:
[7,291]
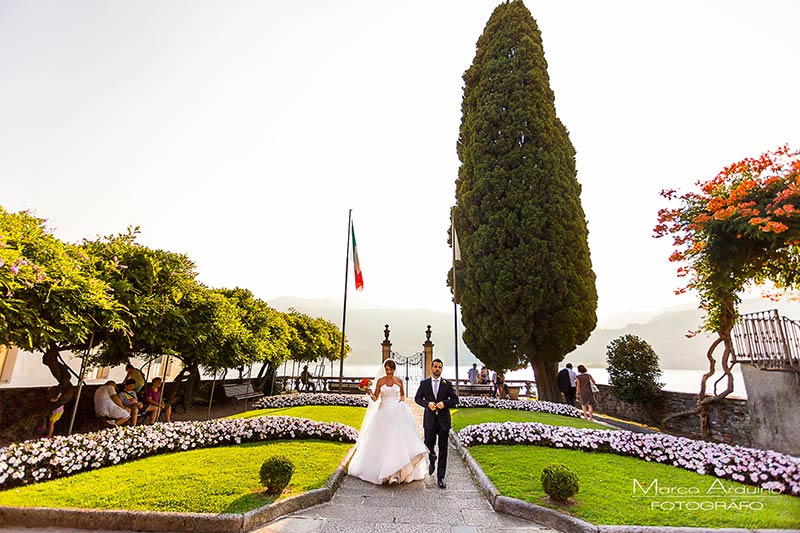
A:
[658,529]
[564,522]
[94,519]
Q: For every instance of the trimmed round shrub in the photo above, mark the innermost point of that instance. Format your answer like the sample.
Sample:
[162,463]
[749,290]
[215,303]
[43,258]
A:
[276,472]
[559,481]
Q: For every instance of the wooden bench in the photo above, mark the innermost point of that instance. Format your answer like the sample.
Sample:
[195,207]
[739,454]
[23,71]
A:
[472,389]
[241,392]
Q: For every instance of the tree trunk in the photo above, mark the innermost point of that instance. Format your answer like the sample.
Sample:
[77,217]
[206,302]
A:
[176,387]
[262,379]
[62,374]
[545,373]
[192,383]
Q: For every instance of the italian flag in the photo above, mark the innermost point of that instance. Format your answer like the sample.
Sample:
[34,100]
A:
[356,264]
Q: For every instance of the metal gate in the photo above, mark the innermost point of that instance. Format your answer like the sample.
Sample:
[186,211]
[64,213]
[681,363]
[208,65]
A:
[413,371]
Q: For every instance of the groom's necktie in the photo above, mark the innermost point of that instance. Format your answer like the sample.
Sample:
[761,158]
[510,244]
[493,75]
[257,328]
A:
[435,388]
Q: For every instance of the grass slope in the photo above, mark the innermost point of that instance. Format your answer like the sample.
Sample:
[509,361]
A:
[351,416]
[212,480]
[477,415]
[607,495]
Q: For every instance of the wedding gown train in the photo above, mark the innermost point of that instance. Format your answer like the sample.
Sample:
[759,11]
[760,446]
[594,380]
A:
[389,446]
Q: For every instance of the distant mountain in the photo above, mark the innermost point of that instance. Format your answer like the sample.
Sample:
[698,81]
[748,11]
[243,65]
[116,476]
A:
[666,332]
[365,329]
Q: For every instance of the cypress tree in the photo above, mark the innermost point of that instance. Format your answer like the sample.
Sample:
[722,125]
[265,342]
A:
[525,279]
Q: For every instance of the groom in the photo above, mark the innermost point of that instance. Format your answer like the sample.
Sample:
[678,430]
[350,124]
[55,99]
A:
[436,395]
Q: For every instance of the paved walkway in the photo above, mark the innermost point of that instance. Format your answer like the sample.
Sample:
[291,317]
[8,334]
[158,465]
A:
[418,507]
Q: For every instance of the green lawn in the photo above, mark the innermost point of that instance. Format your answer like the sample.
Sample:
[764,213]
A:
[351,416]
[477,415]
[212,480]
[607,494]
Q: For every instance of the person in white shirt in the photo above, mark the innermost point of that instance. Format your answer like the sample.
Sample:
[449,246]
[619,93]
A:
[107,405]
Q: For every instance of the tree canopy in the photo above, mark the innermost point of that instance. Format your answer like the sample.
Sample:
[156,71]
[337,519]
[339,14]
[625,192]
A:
[525,279]
[134,301]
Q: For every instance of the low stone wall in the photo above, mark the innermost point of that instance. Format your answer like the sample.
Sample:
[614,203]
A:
[730,420]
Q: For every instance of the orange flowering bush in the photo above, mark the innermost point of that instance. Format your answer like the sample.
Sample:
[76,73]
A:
[742,227]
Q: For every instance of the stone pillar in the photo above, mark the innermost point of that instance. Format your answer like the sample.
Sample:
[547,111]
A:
[427,349]
[772,402]
[386,345]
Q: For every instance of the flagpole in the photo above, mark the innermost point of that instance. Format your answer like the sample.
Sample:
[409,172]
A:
[453,238]
[344,306]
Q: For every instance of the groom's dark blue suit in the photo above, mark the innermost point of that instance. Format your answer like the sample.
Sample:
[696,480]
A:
[436,423]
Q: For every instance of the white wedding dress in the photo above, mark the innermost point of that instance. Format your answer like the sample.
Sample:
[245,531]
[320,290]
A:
[389,447]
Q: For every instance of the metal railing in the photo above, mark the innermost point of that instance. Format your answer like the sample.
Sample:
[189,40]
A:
[767,340]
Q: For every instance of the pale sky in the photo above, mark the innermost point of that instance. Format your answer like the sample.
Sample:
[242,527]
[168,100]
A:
[241,132]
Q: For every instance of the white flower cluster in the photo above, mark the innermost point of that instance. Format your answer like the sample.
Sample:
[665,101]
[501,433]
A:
[767,469]
[308,398]
[520,405]
[39,460]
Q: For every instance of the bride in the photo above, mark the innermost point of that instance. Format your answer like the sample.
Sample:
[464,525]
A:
[389,448]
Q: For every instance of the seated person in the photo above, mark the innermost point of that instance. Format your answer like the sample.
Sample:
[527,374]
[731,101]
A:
[152,401]
[130,400]
[305,379]
[107,405]
[483,377]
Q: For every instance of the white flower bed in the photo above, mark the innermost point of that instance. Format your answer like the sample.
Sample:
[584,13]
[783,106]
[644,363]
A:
[767,469]
[39,460]
[306,398]
[538,406]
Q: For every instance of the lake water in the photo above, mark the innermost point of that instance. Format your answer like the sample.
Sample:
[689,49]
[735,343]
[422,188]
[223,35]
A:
[674,380]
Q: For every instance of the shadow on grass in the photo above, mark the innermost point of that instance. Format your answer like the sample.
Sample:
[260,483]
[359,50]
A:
[248,502]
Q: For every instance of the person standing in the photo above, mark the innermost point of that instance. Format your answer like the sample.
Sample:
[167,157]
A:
[585,393]
[436,395]
[131,372]
[500,387]
[389,448]
[54,394]
[472,374]
[567,384]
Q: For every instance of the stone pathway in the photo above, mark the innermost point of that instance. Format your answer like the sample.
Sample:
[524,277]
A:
[418,507]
